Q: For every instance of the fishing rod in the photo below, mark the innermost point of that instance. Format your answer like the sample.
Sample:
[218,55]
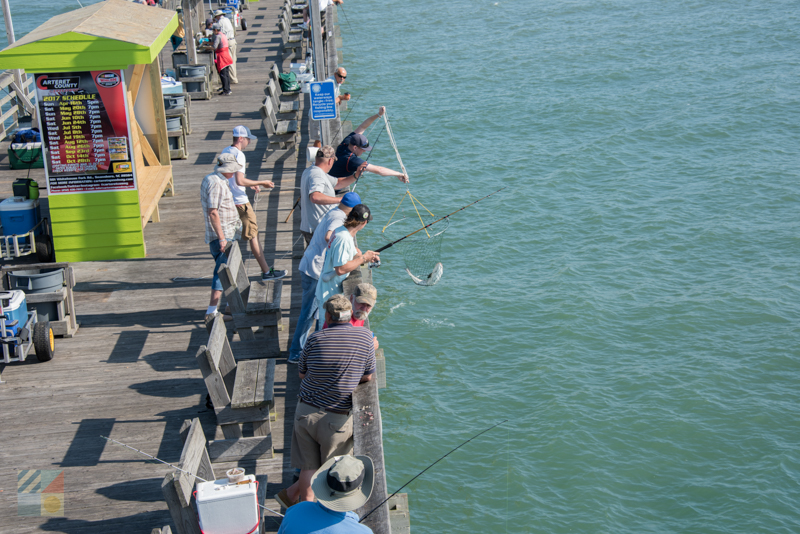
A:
[436,221]
[372,151]
[434,463]
[348,22]
[173,466]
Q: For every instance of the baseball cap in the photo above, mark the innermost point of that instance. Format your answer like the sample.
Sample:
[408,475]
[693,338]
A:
[360,141]
[243,131]
[227,163]
[216,26]
[339,307]
[365,294]
[351,199]
[360,213]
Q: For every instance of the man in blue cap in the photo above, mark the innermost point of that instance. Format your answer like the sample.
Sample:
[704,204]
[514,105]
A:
[311,266]
[349,152]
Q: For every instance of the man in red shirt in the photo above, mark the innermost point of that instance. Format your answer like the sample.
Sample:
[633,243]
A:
[363,300]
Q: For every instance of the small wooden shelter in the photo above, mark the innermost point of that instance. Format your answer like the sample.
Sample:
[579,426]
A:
[108,37]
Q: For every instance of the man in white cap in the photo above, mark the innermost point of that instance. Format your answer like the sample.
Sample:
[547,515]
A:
[241,139]
[227,30]
[342,484]
[221,218]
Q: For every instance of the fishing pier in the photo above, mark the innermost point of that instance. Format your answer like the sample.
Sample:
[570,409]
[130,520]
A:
[131,371]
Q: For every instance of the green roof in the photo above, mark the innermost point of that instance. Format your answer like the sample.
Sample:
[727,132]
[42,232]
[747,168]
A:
[108,35]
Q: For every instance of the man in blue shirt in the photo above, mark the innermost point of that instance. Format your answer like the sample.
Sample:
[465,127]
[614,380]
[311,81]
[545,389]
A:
[342,484]
[349,152]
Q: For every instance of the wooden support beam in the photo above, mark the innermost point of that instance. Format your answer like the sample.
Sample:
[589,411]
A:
[135,82]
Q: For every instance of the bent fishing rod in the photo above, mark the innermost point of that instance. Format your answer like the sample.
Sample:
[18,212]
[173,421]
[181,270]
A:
[174,467]
[436,221]
[349,111]
[434,463]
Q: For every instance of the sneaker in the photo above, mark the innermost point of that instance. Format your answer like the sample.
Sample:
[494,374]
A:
[283,499]
[226,94]
[273,274]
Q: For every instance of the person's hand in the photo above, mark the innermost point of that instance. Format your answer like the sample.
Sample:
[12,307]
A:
[223,243]
[381,111]
[370,256]
[403,178]
[255,188]
[360,170]
[345,96]
[375,342]
[268,184]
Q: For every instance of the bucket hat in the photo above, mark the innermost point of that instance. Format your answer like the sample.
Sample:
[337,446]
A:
[227,163]
[344,483]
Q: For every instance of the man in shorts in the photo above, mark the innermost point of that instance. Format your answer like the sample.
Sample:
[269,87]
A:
[332,364]
[237,183]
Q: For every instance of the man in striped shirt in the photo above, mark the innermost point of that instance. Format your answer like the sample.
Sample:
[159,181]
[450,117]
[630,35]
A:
[333,362]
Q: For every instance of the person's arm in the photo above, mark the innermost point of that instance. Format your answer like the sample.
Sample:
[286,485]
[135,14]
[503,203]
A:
[321,198]
[364,125]
[366,378]
[246,182]
[341,183]
[383,171]
[216,224]
[360,259]
[302,375]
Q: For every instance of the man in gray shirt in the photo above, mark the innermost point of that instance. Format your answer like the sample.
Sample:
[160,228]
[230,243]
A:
[317,191]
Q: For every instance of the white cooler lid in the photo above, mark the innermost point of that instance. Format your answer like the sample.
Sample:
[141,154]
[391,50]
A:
[221,490]
[18,203]
[16,296]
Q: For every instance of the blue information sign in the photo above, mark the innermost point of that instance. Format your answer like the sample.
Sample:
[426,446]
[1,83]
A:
[233,3]
[323,100]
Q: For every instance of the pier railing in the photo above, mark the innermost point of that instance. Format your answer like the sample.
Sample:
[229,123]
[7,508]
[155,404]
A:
[9,104]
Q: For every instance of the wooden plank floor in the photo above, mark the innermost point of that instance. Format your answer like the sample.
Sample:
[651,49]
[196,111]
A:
[130,372]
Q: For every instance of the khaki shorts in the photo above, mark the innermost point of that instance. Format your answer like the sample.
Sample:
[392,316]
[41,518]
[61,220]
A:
[249,224]
[318,436]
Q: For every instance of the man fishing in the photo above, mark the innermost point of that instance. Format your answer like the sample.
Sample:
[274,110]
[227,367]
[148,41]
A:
[349,152]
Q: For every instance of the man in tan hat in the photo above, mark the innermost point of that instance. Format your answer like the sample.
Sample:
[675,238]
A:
[333,362]
[222,220]
[363,300]
[342,484]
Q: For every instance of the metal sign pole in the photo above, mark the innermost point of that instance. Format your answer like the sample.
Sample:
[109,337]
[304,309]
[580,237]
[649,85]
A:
[319,60]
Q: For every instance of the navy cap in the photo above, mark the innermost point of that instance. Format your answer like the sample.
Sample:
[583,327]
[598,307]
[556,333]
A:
[351,200]
[359,140]
[360,213]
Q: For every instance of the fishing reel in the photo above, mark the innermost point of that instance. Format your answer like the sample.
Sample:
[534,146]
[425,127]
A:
[375,264]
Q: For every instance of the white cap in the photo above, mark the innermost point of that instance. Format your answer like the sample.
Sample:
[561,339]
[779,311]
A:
[243,131]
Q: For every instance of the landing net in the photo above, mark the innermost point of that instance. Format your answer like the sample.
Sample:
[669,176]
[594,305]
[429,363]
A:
[422,251]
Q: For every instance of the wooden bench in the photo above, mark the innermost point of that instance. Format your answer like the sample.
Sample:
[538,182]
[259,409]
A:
[178,487]
[281,133]
[241,393]
[292,42]
[252,305]
[290,108]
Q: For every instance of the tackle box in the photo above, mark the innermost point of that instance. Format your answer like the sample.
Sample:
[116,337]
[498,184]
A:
[225,508]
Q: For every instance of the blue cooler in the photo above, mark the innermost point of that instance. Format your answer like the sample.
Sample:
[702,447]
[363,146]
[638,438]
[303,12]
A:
[18,215]
[15,308]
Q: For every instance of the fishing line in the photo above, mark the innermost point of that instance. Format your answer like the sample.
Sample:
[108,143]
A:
[341,6]
[175,467]
[349,111]
[434,463]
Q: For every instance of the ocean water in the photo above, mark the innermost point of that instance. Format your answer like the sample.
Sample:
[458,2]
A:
[630,301]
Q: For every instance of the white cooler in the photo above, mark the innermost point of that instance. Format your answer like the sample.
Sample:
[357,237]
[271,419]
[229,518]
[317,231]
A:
[225,508]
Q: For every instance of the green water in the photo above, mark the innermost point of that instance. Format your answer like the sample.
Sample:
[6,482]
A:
[630,301]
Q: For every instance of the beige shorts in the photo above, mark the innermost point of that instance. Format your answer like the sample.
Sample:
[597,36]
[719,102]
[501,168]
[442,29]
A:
[249,224]
[319,436]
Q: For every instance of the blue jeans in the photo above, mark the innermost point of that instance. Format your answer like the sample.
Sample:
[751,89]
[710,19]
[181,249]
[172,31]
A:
[219,258]
[308,314]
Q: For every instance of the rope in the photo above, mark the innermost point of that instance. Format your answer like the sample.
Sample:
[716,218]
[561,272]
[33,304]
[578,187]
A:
[394,145]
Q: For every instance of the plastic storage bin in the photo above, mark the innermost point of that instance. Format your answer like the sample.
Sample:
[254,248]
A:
[18,215]
[224,508]
[15,308]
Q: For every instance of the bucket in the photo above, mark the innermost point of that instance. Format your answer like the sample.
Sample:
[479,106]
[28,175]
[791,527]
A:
[194,87]
[173,143]
[173,124]
[174,101]
[44,281]
[192,71]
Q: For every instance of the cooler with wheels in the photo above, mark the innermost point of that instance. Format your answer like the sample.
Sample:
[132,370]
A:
[21,329]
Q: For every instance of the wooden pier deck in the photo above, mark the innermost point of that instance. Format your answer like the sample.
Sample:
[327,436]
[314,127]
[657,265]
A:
[130,372]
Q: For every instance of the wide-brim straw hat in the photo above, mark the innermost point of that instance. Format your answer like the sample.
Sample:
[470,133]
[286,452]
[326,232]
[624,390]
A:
[340,501]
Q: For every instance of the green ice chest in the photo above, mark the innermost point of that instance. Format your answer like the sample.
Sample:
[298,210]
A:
[25,156]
